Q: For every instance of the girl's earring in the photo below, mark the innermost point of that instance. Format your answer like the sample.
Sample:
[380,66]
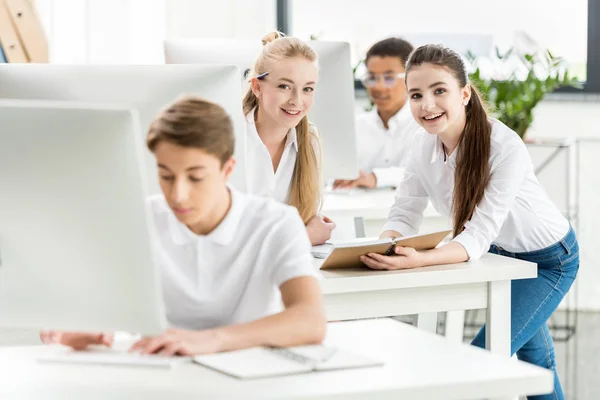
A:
[466,102]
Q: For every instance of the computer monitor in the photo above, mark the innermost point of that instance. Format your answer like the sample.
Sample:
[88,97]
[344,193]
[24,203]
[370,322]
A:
[75,232]
[241,53]
[333,111]
[148,88]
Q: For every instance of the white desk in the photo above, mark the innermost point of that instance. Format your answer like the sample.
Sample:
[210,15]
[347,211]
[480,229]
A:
[373,207]
[418,365]
[357,293]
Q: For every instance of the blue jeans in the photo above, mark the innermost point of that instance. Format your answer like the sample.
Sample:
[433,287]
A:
[534,300]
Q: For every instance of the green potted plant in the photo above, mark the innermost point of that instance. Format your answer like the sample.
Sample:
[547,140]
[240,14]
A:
[530,77]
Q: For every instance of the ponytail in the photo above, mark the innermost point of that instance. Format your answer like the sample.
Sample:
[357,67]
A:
[472,163]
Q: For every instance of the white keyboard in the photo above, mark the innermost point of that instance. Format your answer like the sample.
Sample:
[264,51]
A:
[113,357]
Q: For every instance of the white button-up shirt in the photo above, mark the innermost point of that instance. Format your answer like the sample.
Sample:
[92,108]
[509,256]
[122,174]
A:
[233,274]
[385,151]
[515,212]
[262,180]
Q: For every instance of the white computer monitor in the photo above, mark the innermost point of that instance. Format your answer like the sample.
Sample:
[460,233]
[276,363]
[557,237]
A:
[241,53]
[333,111]
[75,233]
[148,88]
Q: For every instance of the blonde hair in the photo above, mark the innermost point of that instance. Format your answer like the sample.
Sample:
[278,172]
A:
[305,192]
[194,122]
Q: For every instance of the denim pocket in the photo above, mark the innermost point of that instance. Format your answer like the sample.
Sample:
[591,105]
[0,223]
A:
[570,261]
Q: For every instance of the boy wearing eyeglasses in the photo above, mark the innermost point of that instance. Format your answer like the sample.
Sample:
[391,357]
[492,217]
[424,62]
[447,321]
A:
[385,133]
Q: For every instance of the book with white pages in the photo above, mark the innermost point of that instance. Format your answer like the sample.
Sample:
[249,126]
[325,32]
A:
[347,254]
[265,362]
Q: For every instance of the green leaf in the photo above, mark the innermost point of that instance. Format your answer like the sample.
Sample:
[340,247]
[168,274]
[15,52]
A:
[513,100]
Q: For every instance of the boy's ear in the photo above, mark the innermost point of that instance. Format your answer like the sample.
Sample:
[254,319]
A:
[228,167]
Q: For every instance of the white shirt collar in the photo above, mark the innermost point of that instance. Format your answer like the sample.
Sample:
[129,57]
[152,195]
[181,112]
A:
[292,136]
[224,232]
[393,122]
[439,154]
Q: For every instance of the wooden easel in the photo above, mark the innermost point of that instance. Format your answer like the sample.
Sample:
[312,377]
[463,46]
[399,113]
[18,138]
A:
[22,36]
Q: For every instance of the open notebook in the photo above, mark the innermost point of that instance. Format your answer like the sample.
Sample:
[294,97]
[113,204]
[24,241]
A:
[264,362]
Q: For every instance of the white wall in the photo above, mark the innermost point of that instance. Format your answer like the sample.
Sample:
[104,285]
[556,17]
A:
[363,23]
[579,119]
[242,19]
[104,31]
[133,31]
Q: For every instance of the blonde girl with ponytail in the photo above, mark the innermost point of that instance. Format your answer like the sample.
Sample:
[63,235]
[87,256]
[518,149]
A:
[283,148]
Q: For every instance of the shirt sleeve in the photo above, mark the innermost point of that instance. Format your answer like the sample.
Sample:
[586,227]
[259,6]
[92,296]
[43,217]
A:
[406,214]
[506,178]
[292,256]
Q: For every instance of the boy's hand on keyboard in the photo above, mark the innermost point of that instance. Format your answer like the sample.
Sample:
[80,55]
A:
[76,340]
[181,342]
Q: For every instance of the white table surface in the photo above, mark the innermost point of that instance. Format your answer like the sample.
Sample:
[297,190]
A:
[418,365]
[366,203]
[358,293]
[371,208]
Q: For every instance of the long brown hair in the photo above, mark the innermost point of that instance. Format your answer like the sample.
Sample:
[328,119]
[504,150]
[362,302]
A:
[194,122]
[305,192]
[472,171]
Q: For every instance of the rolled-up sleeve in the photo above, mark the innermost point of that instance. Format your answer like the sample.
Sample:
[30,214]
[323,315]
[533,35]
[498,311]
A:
[500,193]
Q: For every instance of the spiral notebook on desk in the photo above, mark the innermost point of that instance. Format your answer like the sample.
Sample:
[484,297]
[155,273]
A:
[265,362]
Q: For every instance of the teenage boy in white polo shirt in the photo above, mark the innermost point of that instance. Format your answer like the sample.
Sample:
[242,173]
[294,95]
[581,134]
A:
[228,259]
[384,134]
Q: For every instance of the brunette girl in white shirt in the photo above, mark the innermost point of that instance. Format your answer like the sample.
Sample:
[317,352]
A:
[228,259]
[283,150]
[478,171]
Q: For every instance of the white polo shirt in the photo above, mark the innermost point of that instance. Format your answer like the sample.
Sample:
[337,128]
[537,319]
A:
[261,179]
[515,212]
[233,274]
[385,151]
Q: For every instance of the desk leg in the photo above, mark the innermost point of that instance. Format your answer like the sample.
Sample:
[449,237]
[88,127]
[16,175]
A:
[455,322]
[497,334]
[498,318]
[427,322]
[359,227]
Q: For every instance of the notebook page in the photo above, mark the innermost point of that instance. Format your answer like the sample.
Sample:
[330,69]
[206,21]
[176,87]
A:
[256,362]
